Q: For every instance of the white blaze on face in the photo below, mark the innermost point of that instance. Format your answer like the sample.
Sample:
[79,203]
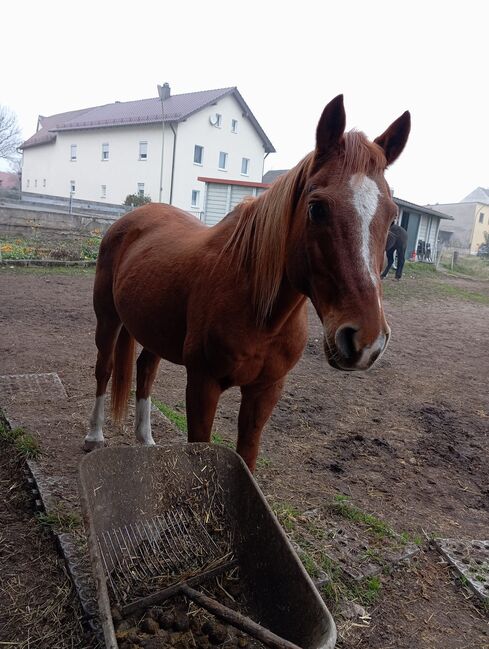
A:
[365,201]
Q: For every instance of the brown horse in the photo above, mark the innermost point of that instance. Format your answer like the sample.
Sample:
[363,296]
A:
[229,302]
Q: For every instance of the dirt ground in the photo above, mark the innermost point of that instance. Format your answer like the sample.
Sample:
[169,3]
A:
[407,442]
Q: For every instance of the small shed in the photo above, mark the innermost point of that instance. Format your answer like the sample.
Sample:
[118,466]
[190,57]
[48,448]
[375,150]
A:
[423,228]
[221,196]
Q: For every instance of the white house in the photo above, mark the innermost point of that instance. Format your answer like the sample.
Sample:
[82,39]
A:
[158,147]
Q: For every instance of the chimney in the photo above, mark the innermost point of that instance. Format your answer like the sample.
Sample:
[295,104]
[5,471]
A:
[164,91]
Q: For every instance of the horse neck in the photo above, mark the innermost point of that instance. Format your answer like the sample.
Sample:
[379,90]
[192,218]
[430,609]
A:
[257,242]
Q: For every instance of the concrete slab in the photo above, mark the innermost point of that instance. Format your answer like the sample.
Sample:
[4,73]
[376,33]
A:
[471,560]
[31,386]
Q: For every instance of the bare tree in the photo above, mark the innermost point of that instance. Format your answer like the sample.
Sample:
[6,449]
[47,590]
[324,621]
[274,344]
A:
[10,137]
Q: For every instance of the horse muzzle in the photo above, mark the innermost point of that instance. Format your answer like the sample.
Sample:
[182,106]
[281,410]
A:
[345,350]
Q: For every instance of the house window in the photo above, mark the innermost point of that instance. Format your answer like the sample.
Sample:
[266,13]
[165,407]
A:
[143,150]
[245,166]
[223,160]
[103,191]
[28,182]
[105,151]
[44,182]
[481,217]
[195,198]
[234,126]
[218,120]
[35,183]
[198,154]
[73,152]
[141,190]
[72,187]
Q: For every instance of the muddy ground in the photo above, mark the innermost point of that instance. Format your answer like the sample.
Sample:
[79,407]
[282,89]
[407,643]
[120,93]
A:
[407,442]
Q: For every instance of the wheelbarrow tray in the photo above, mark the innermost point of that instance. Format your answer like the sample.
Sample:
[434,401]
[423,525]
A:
[125,486]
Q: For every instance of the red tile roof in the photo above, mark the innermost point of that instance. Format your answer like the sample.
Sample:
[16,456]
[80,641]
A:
[176,108]
[8,180]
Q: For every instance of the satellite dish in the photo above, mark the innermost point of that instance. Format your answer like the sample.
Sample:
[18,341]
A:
[214,120]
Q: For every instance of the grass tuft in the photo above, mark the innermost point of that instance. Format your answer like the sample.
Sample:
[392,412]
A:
[59,520]
[177,418]
[23,443]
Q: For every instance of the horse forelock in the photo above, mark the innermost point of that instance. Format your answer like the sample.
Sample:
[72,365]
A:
[259,241]
[360,156]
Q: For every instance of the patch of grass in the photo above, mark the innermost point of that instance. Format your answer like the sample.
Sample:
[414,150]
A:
[452,290]
[177,418]
[338,588]
[23,443]
[343,507]
[287,515]
[49,271]
[422,280]
[263,462]
[180,421]
[59,520]
[310,541]
[477,267]
[217,438]
[367,591]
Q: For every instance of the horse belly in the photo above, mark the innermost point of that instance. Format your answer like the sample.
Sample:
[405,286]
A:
[153,314]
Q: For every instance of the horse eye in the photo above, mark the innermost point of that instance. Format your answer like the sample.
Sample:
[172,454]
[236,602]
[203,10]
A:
[317,213]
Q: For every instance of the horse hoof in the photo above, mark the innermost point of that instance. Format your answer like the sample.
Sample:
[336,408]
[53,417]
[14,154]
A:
[89,445]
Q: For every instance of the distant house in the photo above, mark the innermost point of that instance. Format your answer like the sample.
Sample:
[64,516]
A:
[9,180]
[157,147]
[470,219]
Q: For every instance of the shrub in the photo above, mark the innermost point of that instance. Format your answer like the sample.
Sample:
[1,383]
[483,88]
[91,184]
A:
[136,200]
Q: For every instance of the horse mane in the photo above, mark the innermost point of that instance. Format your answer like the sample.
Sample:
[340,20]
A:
[260,237]
[259,241]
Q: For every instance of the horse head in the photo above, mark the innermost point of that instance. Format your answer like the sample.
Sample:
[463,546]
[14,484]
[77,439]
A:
[343,211]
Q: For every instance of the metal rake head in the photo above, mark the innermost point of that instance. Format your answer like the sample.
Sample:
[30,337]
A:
[159,551]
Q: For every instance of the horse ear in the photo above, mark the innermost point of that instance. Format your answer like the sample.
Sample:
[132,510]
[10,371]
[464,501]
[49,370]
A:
[331,126]
[393,140]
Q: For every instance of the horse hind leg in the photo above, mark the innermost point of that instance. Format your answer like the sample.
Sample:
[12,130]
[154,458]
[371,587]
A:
[146,369]
[105,338]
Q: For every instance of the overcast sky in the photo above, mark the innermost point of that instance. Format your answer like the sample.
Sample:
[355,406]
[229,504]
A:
[287,58]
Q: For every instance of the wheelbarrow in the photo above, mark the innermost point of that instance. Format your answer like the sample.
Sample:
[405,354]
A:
[167,520]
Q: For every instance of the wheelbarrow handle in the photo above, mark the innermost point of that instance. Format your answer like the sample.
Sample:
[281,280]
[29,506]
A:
[237,619]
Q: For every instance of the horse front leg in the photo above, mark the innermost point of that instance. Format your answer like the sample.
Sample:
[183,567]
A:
[147,366]
[257,404]
[202,397]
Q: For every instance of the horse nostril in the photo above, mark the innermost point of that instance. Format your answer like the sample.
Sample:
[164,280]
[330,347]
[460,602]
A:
[345,341]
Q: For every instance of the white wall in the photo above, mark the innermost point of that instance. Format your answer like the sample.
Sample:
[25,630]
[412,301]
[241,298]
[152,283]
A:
[198,130]
[120,173]
[123,170]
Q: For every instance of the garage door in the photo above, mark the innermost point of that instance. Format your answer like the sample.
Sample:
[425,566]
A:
[221,199]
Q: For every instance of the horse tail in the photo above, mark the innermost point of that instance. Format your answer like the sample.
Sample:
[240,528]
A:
[122,374]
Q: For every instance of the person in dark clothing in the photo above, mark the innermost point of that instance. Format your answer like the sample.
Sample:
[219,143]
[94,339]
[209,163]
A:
[396,242]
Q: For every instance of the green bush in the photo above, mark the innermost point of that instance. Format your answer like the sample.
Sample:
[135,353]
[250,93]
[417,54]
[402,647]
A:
[136,200]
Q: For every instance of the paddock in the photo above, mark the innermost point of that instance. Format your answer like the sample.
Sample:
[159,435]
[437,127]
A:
[363,470]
